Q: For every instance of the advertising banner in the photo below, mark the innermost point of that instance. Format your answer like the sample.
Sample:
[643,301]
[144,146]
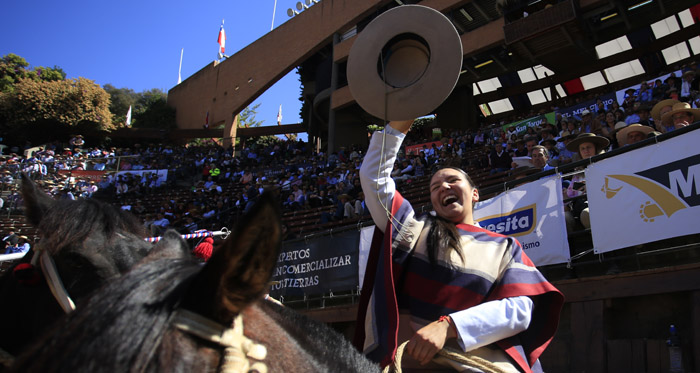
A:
[646,195]
[533,214]
[591,106]
[162,174]
[415,149]
[324,264]
[521,126]
[91,175]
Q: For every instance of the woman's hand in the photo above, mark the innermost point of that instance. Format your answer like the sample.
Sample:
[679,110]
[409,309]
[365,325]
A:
[430,339]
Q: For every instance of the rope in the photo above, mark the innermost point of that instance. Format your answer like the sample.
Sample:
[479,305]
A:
[223,232]
[467,359]
[6,358]
[238,348]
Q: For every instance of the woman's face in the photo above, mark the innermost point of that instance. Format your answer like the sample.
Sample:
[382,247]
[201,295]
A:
[610,117]
[452,196]
[586,149]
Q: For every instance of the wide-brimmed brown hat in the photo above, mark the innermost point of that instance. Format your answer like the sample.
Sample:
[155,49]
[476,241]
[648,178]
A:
[656,110]
[667,118]
[405,63]
[600,142]
[636,127]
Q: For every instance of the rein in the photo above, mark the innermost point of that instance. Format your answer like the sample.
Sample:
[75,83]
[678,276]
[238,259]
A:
[467,359]
[238,347]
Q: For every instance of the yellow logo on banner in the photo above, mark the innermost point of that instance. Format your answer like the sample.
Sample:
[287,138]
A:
[664,202]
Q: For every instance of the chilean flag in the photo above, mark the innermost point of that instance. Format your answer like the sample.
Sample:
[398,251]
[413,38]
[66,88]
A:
[221,40]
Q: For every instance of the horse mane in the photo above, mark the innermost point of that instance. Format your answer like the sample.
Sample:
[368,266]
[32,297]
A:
[332,349]
[68,222]
[120,328]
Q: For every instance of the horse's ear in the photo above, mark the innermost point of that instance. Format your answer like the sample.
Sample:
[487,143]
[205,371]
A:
[239,271]
[36,201]
[171,246]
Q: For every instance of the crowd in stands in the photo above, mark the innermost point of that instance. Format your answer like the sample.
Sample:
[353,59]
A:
[214,186]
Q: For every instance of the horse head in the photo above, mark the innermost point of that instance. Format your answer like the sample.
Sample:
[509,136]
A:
[89,243]
[171,314]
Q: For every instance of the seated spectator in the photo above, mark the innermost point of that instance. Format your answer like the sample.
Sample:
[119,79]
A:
[632,134]
[499,159]
[587,145]
[349,208]
[540,158]
[158,226]
[22,246]
[680,115]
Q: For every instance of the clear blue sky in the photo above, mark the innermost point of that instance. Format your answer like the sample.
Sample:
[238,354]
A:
[136,44]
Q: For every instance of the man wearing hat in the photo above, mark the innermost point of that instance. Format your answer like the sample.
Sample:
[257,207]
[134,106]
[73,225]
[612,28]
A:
[686,82]
[631,134]
[680,115]
[587,145]
[11,239]
[587,121]
[661,108]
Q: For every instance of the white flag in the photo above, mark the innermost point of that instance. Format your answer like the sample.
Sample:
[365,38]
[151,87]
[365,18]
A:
[279,116]
[128,117]
[179,71]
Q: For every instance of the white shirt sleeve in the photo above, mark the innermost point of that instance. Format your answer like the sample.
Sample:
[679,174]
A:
[375,174]
[492,321]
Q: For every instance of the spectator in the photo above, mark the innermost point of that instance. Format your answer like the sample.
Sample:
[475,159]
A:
[587,145]
[632,134]
[680,115]
[499,159]
[661,108]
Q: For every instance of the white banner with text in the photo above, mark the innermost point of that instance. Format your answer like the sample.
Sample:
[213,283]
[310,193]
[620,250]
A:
[533,214]
[646,195]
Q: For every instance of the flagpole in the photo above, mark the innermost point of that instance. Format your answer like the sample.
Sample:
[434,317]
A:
[179,70]
[272,26]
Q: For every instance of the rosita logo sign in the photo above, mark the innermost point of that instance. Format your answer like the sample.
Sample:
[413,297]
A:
[515,223]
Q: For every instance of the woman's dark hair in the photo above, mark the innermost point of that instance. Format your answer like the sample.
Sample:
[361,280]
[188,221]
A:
[443,233]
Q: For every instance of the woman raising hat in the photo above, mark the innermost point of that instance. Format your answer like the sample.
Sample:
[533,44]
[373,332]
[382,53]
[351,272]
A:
[440,280]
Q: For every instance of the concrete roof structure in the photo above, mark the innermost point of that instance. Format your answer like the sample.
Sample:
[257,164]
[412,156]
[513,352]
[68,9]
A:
[560,38]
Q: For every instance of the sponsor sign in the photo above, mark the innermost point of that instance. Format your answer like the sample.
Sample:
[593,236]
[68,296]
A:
[162,174]
[533,214]
[415,149]
[591,106]
[326,264]
[521,126]
[91,175]
[646,195]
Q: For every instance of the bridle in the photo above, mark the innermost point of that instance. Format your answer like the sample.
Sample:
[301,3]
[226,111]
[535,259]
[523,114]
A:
[53,280]
[238,347]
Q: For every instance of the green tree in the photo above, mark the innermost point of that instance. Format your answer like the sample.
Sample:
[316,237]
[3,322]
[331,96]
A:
[246,118]
[68,102]
[13,68]
[120,100]
[153,110]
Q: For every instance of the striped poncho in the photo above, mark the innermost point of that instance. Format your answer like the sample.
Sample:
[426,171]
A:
[400,279]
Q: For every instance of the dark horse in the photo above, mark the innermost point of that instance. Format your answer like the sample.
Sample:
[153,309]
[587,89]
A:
[143,320]
[91,244]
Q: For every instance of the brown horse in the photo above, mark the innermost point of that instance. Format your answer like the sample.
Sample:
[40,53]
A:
[171,314]
[90,242]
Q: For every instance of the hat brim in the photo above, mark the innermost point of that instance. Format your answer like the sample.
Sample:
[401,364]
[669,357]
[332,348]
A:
[667,118]
[635,127]
[599,142]
[420,72]
[656,110]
